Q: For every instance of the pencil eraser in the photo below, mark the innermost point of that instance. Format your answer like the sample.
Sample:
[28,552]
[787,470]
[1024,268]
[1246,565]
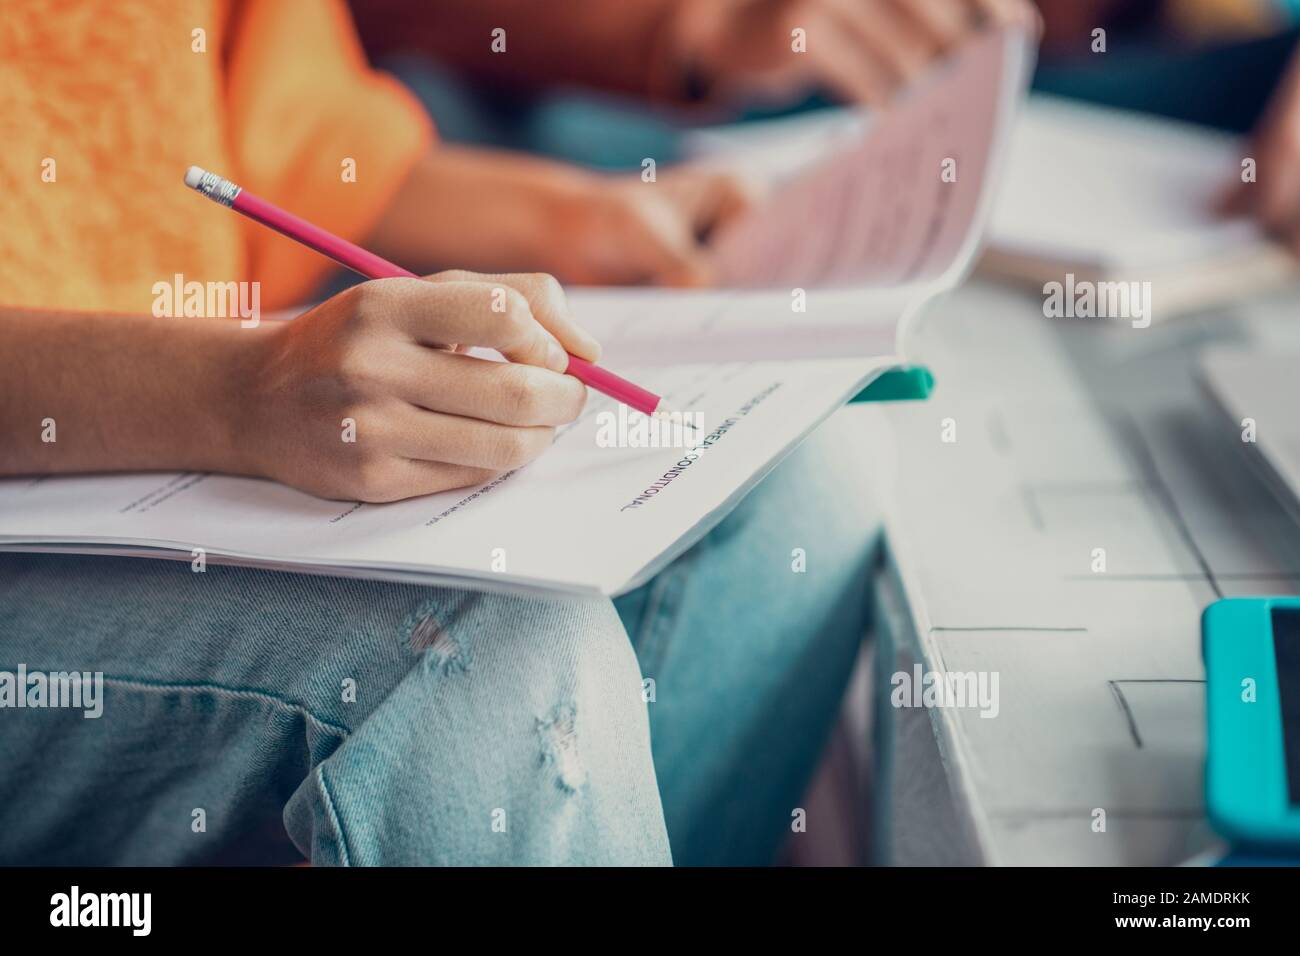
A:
[193,176]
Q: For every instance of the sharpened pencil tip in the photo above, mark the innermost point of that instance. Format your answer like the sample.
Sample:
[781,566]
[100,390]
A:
[666,413]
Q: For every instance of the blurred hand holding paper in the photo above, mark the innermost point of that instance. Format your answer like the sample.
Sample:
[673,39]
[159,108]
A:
[894,205]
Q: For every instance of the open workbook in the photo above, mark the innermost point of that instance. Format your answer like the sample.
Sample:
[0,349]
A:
[823,274]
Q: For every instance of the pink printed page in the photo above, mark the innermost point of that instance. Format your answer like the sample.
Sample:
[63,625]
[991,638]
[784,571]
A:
[904,203]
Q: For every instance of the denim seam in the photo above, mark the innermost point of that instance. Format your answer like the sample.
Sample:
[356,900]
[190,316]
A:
[237,693]
[647,634]
[662,610]
[332,814]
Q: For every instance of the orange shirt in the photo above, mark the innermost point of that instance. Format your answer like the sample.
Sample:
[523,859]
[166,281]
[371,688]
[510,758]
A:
[103,105]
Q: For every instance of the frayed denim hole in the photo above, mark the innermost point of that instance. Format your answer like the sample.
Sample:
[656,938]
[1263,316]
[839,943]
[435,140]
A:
[558,733]
[423,634]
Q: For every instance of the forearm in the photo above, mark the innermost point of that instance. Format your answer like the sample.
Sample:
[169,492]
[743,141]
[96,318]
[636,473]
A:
[616,45]
[86,392]
[476,209]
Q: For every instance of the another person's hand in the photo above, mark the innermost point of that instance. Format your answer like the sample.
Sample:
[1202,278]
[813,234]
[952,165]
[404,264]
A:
[494,211]
[1274,196]
[361,399]
[861,50]
[623,231]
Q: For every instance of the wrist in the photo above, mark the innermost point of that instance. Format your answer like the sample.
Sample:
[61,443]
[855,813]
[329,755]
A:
[481,210]
[224,435]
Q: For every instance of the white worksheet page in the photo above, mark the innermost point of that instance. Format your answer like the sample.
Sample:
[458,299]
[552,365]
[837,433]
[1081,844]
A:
[585,517]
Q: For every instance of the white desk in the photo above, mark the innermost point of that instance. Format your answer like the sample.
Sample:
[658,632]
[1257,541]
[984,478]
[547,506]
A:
[1072,435]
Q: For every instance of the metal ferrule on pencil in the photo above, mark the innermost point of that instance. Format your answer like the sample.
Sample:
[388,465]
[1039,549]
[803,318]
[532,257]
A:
[211,185]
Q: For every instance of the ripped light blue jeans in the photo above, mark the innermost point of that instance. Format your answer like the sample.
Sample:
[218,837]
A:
[257,716]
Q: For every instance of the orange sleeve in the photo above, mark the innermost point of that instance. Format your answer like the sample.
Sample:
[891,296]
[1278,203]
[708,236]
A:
[315,130]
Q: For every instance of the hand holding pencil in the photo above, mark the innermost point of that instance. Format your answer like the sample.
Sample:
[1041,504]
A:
[377,356]
[422,419]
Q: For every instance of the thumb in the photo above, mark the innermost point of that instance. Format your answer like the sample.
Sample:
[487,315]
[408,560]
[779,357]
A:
[691,271]
[710,200]
[659,239]
[674,258]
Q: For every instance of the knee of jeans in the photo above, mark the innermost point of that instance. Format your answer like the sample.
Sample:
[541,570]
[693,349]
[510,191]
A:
[527,712]
[592,716]
[575,648]
[502,649]
[547,652]
[556,677]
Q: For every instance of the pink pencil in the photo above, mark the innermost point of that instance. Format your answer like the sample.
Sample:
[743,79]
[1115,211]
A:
[373,267]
